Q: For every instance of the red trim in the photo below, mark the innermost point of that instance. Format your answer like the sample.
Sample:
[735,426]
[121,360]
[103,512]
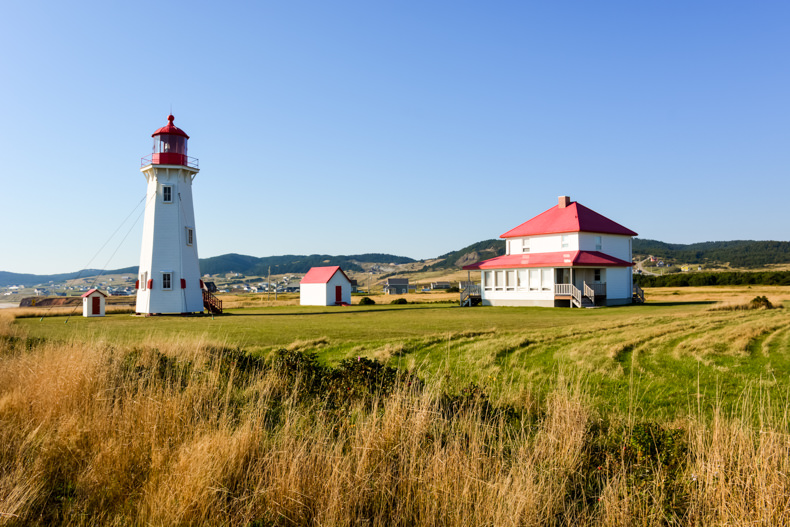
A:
[183,284]
[150,283]
[137,284]
[322,275]
[201,285]
[558,259]
[91,292]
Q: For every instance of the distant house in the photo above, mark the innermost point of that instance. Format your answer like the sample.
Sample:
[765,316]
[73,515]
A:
[568,255]
[440,285]
[325,286]
[211,287]
[396,286]
[354,286]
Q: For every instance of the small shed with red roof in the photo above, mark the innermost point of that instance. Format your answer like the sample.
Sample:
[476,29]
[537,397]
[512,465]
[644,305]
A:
[325,286]
[568,255]
[93,303]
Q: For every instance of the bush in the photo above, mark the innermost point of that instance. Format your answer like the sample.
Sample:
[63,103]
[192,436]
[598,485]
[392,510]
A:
[366,301]
[399,301]
[761,302]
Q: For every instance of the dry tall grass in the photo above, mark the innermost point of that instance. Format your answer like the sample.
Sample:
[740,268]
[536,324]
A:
[183,433]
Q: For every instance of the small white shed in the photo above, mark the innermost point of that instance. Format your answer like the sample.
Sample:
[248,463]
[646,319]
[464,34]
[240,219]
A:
[93,303]
[325,286]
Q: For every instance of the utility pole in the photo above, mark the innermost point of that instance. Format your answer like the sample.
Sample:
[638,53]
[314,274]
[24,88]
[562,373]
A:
[269,283]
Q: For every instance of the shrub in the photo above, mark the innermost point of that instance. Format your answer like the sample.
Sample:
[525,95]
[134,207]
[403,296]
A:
[366,301]
[761,302]
[399,301]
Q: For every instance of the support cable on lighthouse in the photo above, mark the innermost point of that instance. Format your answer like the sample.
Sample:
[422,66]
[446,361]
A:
[96,254]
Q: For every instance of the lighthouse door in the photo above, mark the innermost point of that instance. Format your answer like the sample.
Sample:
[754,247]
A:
[338,294]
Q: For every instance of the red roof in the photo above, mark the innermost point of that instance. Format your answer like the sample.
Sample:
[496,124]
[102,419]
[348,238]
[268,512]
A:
[573,218]
[321,275]
[170,128]
[558,259]
[91,292]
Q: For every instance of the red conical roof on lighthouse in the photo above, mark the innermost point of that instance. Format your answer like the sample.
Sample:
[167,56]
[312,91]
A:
[170,128]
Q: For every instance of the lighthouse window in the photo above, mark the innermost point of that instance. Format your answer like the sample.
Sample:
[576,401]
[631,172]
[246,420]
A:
[167,194]
[166,281]
[189,236]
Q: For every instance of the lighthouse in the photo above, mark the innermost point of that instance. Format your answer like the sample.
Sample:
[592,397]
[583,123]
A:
[169,275]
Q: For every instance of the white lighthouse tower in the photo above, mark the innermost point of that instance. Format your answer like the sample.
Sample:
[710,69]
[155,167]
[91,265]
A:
[169,275]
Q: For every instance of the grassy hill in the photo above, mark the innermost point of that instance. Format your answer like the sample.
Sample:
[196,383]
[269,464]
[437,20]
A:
[743,254]
[470,254]
[737,253]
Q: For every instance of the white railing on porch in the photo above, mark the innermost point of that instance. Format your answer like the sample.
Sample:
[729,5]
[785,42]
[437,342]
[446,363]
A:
[564,289]
[590,290]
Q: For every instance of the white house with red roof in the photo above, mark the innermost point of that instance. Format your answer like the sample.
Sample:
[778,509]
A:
[567,256]
[325,286]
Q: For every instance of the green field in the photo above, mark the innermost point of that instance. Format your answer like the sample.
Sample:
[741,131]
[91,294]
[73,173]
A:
[666,359]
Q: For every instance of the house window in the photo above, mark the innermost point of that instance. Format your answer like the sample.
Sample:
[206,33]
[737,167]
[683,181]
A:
[510,284]
[598,244]
[167,280]
[534,279]
[190,235]
[596,275]
[167,194]
[545,283]
[521,279]
[488,280]
[565,241]
[525,245]
[499,280]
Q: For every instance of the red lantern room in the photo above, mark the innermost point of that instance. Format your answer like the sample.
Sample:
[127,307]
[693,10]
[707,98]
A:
[170,147]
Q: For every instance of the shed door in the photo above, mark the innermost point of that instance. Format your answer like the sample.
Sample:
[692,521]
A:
[338,293]
[96,306]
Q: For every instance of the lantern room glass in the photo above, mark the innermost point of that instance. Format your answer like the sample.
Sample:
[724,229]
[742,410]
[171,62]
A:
[170,144]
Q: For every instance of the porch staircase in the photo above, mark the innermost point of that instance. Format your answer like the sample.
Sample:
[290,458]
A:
[584,297]
[212,304]
[638,295]
[470,296]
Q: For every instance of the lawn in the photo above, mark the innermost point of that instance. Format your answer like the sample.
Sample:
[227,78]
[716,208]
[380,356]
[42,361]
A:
[664,358]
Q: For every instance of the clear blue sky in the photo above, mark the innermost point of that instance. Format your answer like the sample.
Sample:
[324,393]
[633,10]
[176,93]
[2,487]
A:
[410,127]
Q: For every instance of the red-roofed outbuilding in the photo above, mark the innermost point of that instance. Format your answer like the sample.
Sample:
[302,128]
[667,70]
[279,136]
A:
[325,286]
[93,303]
[568,255]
